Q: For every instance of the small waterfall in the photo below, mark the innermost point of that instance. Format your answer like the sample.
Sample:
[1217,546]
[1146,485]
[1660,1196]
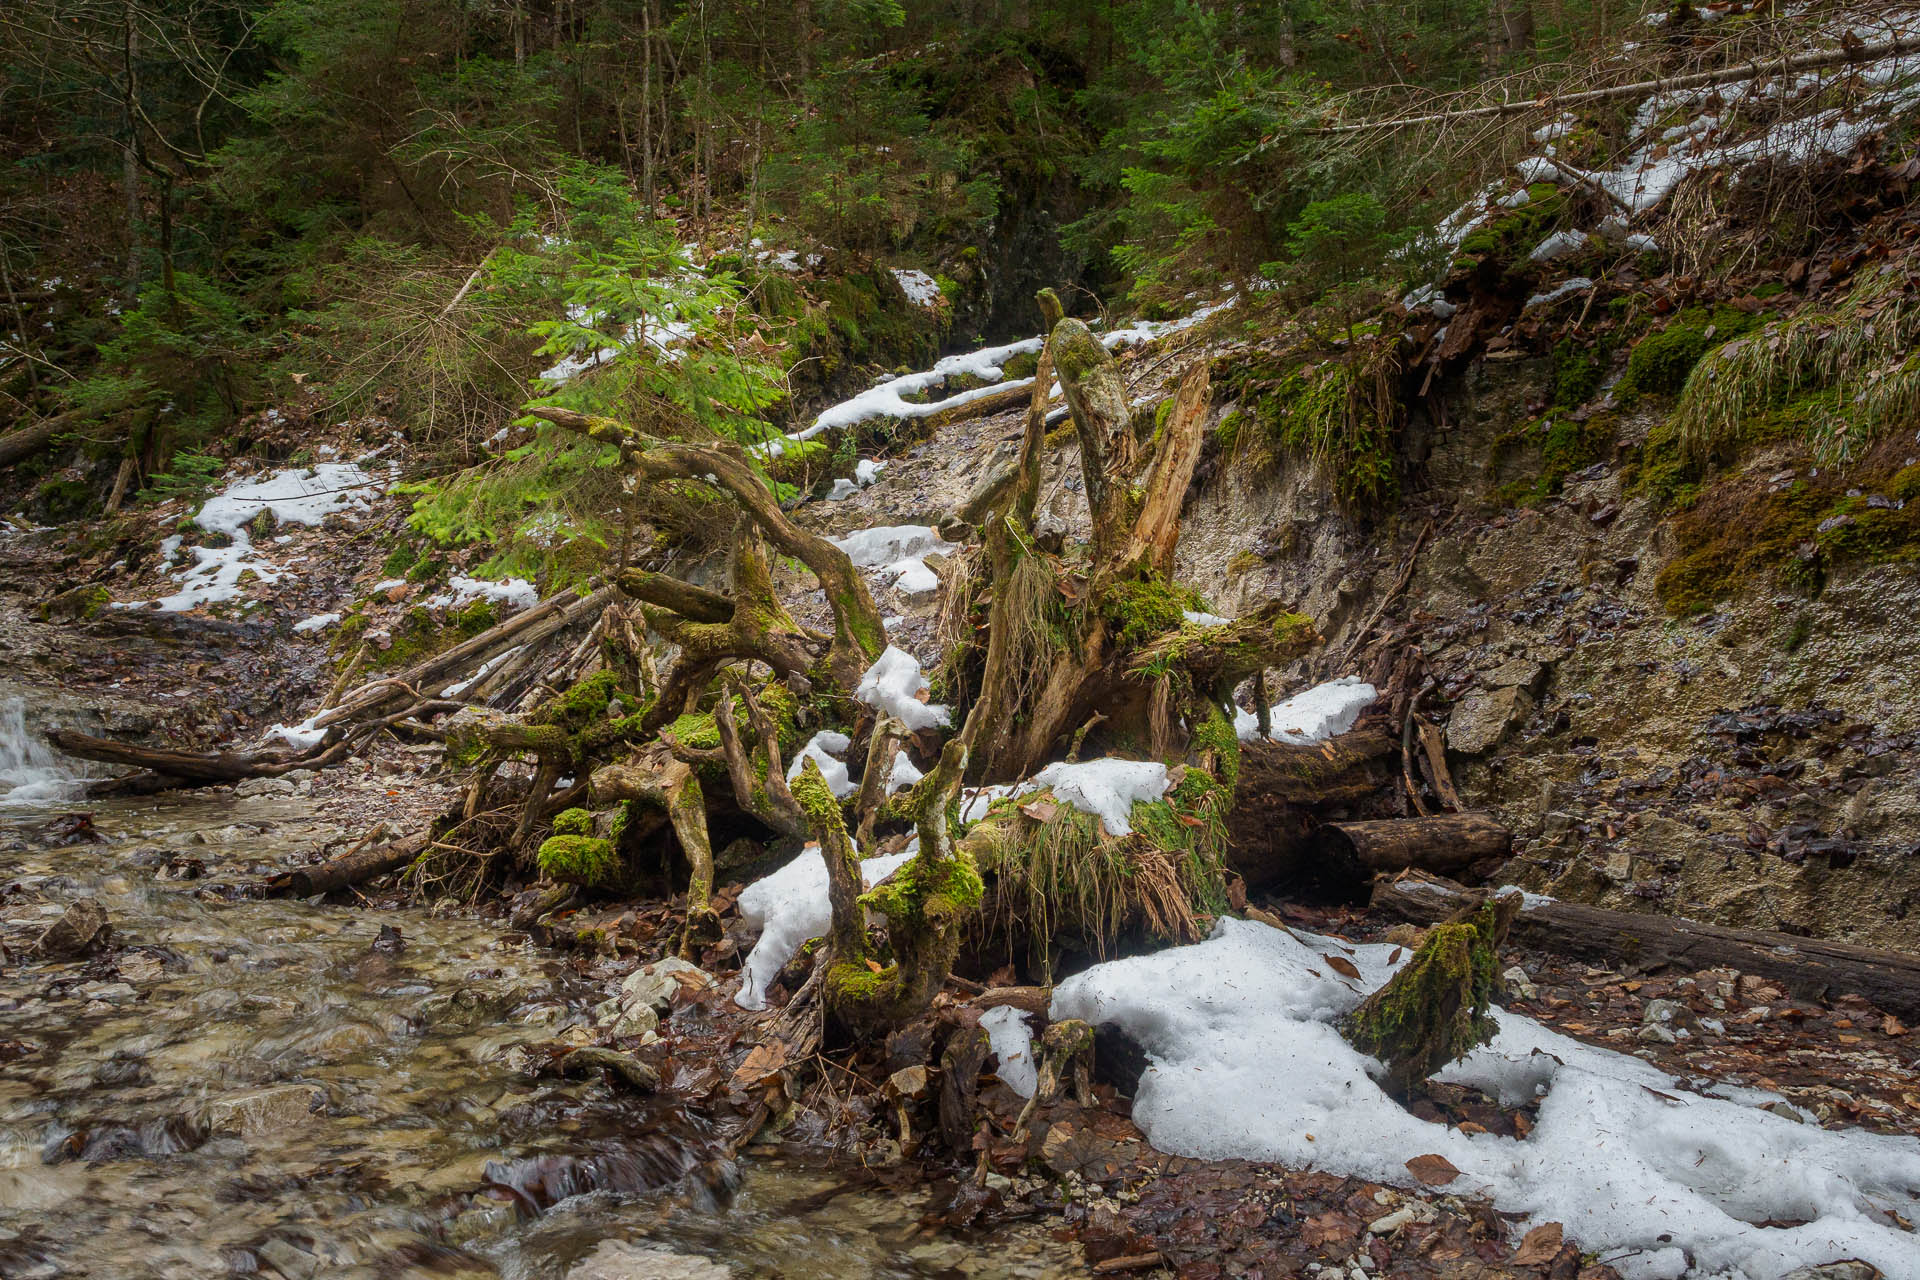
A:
[30,773]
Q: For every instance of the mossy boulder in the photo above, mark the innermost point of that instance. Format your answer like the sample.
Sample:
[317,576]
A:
[1660,362]
[588,861]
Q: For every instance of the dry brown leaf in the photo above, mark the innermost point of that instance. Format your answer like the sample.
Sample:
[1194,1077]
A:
[1433,1170]
[1539,1247]
[1040,810]
[763,1061]
[1892,1026]
[1342,965]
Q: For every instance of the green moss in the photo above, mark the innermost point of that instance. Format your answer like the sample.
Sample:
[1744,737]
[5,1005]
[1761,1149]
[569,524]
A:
[579,859]
[696,729]
[398,561]
[420,634]
[77,605]
[1226,432]
[1019,366]
[1330,410]
[1145,607]
[924,889]
[1216,734]
[582,704]
[1660,362]
[573,822]
[1506,240]
[1434,1010]
[815,798]
[60,501]
[851,984]
[1076,352]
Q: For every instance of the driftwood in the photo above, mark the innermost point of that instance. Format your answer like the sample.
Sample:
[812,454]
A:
[200,768]
[1810,968]
[351,868]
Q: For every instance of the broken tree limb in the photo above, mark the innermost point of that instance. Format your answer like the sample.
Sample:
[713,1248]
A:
[695,604]
[1810,968]
[197,767]
[1445,843]
[349,869]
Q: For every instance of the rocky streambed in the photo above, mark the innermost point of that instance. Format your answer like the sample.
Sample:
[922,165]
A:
[237,1086]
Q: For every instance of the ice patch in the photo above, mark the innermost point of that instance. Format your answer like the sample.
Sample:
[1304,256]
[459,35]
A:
[1106,789]
[1322,712]
[892,685]
[1244,1062]
[1558,245]
[789,907]
[1012,1042]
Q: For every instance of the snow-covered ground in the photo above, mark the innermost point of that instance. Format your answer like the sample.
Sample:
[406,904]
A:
[1657,1178]
[297,496]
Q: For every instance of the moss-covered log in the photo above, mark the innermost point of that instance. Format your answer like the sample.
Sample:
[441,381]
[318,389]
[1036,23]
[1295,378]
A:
[1434,1011]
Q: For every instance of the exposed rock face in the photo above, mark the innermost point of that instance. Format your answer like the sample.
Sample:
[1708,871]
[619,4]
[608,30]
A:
[1750,766]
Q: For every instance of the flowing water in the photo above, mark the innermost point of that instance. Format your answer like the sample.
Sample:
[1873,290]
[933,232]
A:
[247,1087]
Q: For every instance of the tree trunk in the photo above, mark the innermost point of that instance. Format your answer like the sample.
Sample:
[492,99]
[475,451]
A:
[1810,968]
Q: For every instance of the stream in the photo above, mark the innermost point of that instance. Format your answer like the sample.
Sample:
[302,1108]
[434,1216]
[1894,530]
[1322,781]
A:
[262,1087]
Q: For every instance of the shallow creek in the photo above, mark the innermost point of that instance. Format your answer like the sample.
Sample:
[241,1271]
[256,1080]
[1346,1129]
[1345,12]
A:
[269,1088]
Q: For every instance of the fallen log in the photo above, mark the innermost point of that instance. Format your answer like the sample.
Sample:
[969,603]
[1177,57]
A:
[1447,843]
[1286,790]
[1809,968]
[185,766]
[347,869]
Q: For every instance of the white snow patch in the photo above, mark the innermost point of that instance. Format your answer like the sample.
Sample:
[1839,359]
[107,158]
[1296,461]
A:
[297,496]
[1566,288]
[487,668]
[1244,1062]
[867,471]
[899,552]
[316,622]
[893,685]
[1106,789]
[1204,619]
[1321,712]
[903,774]
[1558,245]
[515,593]
[1012,1042]
[300,736]
[789,907]
[920,288]
[822,749]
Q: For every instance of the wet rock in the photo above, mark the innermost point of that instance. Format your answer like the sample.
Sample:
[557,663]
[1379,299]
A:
[626,1019]
[261,1112]
[82,930]
[655,985]
[263,787]
[1483,718]
[621,1260]
[1520,984]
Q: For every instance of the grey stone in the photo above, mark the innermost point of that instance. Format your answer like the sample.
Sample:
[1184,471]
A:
[263,787]
[1483,718]
[654,985]
[1517,673]
[1851,1269]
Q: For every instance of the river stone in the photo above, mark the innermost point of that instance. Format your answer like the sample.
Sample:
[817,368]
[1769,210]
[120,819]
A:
[81,930]
[620,1260]
[259,1112]
[263,787]
[654,985]
[1482,719]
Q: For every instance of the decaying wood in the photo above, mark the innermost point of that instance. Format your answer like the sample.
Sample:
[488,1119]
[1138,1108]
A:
[361,864]
[1444,843]
[199,768]
[1810,968]
[656,775]
[695,604]
[634,1073]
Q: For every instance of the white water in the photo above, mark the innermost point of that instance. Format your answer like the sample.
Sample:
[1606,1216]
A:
[30,773]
